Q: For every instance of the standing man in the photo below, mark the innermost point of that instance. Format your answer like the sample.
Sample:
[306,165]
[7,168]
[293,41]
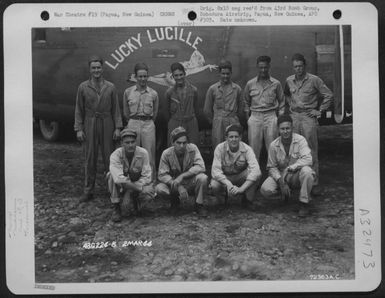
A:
[302,92]
[129,179]
[235,169]
[182,171]
[223,99]
[140,108]
[263,99]
[97,121]
[289,165]
[182,100]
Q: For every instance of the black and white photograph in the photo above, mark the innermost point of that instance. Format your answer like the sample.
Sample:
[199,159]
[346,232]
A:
[194,156]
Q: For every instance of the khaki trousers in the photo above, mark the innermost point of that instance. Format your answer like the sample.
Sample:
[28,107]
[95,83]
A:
[262,126]
[303,179]
[134,199]
[219,188]
[196,185]
[307,127]
[145,130]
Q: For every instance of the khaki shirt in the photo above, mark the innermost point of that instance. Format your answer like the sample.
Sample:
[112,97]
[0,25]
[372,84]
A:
[303,95]
[140,103]
[260,98]
[222,104]
[169,167]
[299,155]
[139,171]
[224,164]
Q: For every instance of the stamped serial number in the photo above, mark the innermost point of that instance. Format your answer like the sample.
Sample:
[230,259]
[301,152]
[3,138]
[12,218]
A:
[114,244]
[324,276]
[98,245]
[368,258]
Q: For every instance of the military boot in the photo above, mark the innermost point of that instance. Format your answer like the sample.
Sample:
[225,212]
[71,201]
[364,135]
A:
[116,214]
[200,210]
[316,191]
[252,206]
[304,210]
[86,197]
[175,203]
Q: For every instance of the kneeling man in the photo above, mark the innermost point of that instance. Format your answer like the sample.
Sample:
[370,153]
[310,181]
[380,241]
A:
[182,171]
[129,178]
[235,168]
[289,165]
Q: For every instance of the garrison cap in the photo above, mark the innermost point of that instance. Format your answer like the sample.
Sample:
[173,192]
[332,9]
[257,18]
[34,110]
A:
[127,133]
[284,118]
[177,133]
[140,66]
[234,127]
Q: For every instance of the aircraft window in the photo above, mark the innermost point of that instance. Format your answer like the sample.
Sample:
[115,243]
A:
[40,35]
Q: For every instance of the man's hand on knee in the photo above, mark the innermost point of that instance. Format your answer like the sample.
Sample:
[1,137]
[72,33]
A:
[149,190]
[183,194]
[292,168]
[176,182]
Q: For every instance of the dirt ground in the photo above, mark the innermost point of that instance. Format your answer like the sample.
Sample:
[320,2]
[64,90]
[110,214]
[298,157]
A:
[230,244]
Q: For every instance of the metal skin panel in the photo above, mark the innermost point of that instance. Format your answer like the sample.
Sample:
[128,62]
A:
[60,60]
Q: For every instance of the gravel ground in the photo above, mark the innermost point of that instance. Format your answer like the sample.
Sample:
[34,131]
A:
[229,244]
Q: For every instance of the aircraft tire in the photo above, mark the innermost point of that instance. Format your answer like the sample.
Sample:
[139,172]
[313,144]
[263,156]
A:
[49,129]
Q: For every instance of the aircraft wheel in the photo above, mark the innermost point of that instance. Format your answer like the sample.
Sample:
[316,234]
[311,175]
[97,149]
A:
[49,130]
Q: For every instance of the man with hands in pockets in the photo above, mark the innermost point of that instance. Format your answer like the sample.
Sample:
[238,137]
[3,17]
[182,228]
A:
[308,97]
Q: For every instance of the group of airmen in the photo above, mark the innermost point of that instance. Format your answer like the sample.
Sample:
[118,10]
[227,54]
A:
[285,119]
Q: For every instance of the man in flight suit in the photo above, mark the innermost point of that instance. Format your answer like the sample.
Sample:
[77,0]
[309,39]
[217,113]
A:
[97,121]
[223,103]
[182,100]
[129,179]
[263,99]
[182,171]
[235,169]
[303,91]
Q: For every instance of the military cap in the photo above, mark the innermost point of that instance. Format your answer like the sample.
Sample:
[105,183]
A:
[127,132]
[140,66]
[177,133]
[234,127]
[284,118]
